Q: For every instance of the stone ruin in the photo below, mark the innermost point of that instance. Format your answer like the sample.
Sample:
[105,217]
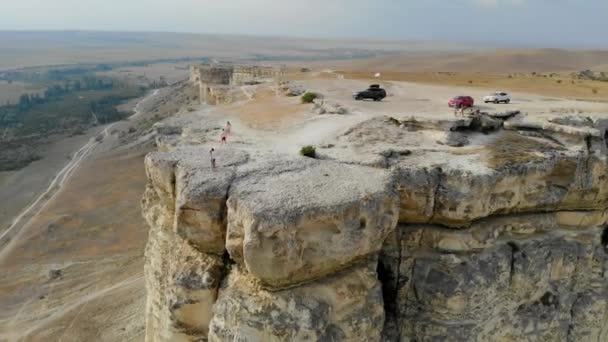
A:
[215,82]
[390,235]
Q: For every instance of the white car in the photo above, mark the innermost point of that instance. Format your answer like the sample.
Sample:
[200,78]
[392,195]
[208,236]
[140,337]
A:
[497,97]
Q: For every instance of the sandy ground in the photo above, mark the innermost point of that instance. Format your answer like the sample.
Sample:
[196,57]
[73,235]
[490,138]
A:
[548,84]
[19,188]
[75,271]
[94,234]
[283,124]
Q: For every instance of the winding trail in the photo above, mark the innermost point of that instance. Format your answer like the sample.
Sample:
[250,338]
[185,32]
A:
[29,213]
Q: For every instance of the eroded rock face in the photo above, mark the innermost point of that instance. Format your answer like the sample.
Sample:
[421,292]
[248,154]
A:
[524,278]
[393,235]
[457,197]
[346,306]
[182,286]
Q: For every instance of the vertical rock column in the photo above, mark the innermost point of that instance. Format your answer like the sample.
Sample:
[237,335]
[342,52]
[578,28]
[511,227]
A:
[184,204]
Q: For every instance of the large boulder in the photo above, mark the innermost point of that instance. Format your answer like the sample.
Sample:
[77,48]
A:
[309,219]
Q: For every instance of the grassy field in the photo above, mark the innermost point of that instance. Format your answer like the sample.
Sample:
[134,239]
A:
[549,84]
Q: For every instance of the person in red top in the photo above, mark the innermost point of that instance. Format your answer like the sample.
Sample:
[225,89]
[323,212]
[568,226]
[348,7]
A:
[223,136]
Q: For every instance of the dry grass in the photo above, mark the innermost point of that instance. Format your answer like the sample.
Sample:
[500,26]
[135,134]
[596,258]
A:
[512,148]
[543,84]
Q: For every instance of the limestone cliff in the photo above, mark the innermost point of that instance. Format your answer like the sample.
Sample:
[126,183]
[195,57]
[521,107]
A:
[391,234]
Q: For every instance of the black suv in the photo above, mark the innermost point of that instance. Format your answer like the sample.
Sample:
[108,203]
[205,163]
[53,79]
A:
[374,92]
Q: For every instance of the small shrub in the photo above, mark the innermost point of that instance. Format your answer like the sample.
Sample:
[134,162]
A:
[470,82]
[559,81]
[309,97]
[308,151]
[594,90]
[394,121]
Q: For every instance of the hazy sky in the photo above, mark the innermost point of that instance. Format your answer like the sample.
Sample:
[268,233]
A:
[537,22]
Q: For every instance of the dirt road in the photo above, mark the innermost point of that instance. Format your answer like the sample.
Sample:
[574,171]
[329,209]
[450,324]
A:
[25,217]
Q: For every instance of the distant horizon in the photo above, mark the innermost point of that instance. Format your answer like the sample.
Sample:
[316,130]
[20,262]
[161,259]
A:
[519,23]
[480,44]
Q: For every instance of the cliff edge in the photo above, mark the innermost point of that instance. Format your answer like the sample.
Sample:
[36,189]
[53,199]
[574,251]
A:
[491,227]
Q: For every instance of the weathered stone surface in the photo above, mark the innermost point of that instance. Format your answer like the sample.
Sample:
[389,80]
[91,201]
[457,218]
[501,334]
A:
[499,281]
[563,168]
[298,225]
[182,286]
[456,197]
[290,89]
[346,306]
[321,106]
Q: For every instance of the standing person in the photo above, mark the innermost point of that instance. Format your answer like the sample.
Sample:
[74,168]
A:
[213,164]
[211,154]
[223,136]
[228,129]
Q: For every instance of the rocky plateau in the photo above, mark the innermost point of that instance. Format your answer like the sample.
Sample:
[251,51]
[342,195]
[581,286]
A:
[392,233]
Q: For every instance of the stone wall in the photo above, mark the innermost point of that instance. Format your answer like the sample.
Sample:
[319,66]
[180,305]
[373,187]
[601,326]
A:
[214,82]
[385,244]
[243,75]
[211,74]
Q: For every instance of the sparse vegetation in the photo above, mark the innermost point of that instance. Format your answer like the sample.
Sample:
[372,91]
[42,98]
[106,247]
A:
[309,97]
[75,110]
[394,121]
[594,90]
[308,151]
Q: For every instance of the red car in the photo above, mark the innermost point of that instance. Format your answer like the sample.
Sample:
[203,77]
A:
[461,102]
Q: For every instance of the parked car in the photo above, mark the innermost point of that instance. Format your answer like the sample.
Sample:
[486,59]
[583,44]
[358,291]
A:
[497,97]
[461,102]
[374,92]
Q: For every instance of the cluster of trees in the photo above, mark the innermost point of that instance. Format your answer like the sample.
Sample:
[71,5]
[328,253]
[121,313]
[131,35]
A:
[56,91]
[105,108]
